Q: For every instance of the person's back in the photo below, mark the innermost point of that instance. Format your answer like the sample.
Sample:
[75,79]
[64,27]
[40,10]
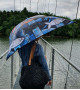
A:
[24,53]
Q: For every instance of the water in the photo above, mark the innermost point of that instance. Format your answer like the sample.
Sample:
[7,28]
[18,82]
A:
[61,66]
[64,46]
[5,66]
[4,44]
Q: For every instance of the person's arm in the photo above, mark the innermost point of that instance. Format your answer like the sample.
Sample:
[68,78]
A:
[43,61]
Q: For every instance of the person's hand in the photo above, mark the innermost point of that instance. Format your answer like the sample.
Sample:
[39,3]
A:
[49,83]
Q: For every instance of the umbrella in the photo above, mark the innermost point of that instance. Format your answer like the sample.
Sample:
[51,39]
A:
[32,28]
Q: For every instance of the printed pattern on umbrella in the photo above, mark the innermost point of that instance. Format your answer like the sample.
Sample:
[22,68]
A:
[32,28]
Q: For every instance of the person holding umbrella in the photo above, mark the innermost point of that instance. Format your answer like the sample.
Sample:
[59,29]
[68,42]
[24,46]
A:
[23,38]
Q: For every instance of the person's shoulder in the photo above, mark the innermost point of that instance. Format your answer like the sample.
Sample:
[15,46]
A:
[38,45]
[38,49]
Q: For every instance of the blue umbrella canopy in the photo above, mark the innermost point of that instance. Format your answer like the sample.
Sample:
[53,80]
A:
[32,28]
